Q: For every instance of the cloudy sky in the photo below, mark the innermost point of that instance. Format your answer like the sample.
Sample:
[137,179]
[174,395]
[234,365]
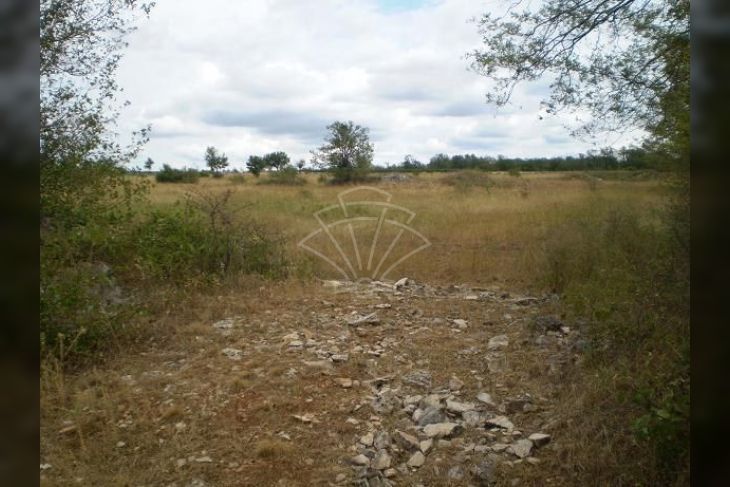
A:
[255,76]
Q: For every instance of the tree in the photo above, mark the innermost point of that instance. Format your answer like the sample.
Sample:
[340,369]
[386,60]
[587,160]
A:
[255,165]
[81,158]
[347,151]
[215,161]
[149,163]
[624,61]
[411,163]
[276,160]
[300,165]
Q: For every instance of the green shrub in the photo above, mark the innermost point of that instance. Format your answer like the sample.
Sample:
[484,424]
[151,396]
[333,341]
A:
[288,176]
[628,279]
[170,175]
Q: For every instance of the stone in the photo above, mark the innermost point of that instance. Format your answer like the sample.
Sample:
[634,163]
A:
[390,473]
[419,378]
[425,445]
[341,477]
[381,440]
[486,399]
[339,357]
[204,459]
[431,416]
[498,342]
[539,439]
[532,460]
[484,473]
[412,400]
[225,324]
[442,430]
[370,319]
[416,460]
[430,401]
[455,384]
[472,418]
[233,353]
[344,382]
[499,447]
[455,473]
[402,282]
[500,422]
[461,324]
[417,415]
[361,460]
[409,442]
[382,460]
[367,439]
[521,448]
[296,344]
[385,402]
[459,407]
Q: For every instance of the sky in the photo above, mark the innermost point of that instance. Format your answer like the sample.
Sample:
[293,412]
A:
[257,76]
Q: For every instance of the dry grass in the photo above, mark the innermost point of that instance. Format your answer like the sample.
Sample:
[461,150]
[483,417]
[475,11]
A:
[478,236]
[155,416]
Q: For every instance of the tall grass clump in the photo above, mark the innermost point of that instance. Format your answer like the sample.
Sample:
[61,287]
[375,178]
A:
[624,275]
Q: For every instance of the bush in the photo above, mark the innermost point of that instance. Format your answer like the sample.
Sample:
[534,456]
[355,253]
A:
[629,281]
[288,176]
[85,310]
[170,175]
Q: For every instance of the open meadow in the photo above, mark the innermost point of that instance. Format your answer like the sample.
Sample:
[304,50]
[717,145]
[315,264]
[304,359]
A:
[489,365]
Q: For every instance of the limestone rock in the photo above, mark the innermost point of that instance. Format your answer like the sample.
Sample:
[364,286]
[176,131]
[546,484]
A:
[498,342]
[382,460]
[539,439]
[416,460]
[442,430]
[521,448]
[419,378]
[500,422]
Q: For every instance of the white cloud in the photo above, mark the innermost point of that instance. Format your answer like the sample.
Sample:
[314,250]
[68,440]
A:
[263,75]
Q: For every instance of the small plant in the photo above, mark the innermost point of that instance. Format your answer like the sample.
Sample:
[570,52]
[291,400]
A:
[170,175]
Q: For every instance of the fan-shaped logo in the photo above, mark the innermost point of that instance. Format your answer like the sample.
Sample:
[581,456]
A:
[364,234]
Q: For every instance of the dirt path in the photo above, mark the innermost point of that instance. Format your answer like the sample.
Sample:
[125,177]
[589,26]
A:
[365,384]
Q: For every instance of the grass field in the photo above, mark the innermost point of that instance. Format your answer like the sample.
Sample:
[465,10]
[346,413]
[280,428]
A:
[482,228]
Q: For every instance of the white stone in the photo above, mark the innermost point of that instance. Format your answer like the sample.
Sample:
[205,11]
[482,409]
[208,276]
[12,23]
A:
[381,460]
[501,422]
[498,342]
[361,460]
[416,460]
[486,399]
[367,439]
[539,439]
[426,445]
[442,430]
[459,407]
[521,448]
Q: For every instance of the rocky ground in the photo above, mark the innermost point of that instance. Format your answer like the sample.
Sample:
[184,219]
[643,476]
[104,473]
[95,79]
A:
[367,383]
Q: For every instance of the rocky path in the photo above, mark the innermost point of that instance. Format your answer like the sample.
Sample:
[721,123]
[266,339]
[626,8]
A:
[367,383]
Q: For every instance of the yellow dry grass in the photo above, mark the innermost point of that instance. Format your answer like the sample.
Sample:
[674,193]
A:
[478,235]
